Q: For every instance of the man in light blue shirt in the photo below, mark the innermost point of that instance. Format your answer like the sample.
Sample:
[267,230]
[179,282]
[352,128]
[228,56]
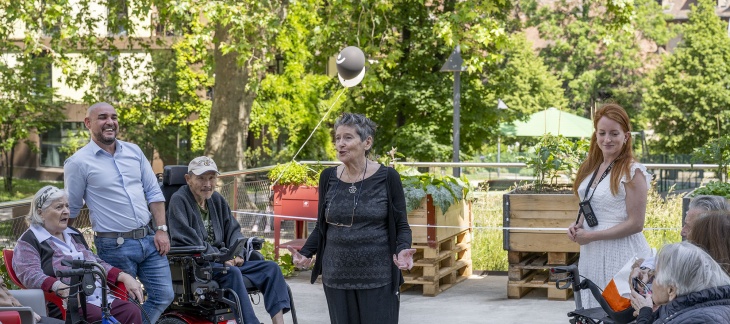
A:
[121,191]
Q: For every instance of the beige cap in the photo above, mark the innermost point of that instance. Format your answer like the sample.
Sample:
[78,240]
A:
[202,164]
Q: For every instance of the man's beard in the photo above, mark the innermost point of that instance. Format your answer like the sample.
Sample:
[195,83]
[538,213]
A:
[107,140]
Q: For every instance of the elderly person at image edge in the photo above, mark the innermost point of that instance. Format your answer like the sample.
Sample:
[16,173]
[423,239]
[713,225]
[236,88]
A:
[362,238]
[48,241]
[200,216]
[116,182]
[699,205]
[689,287]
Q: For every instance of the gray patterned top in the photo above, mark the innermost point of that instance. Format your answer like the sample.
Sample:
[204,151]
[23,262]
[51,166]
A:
[357,257]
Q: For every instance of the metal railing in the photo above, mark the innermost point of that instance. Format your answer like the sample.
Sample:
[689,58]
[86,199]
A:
[249,195]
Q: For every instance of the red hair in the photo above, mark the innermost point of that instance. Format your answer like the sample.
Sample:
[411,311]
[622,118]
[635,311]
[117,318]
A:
[595,156]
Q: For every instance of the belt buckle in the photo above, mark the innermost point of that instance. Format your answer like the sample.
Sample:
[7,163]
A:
[140,232]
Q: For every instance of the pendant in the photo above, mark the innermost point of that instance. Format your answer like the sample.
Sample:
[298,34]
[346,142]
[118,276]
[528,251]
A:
[352,189]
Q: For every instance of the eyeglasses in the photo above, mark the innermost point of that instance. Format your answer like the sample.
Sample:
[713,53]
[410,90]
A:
[355,199]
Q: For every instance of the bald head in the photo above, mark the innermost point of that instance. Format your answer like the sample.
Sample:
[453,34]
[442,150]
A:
[101,120]
[90,111]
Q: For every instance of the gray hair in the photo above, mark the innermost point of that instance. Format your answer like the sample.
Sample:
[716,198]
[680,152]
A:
[709,203]
[362,125]
[42,200]
[688,268]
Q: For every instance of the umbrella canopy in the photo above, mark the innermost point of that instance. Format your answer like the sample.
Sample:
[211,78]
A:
[551,121]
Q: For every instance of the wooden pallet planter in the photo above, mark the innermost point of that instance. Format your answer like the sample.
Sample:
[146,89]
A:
[430,225]
[531,252]
[442,266]
[530,270]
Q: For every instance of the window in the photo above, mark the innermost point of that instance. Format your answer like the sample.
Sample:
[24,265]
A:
[117,21]
[54,139]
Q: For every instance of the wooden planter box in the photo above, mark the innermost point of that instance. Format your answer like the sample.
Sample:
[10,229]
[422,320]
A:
[297,201]
[539,211]
[533,252]
[458,217]
[443,256]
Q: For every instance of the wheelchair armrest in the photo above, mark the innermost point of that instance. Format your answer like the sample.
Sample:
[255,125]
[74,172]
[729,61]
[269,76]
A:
[24,313]
[186,250]
[32,298]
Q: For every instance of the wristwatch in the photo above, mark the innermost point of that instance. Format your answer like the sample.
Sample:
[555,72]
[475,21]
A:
[162,228]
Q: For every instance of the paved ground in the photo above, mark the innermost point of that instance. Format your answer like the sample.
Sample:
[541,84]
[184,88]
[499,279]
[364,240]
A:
[480,299]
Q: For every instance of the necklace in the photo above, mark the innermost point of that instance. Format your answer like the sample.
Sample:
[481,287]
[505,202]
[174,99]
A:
[352,189]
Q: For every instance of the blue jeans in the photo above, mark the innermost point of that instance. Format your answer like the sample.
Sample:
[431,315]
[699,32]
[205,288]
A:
[267,277]
[140,259]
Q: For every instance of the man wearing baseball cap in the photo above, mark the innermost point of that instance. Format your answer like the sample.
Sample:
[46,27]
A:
[199,216]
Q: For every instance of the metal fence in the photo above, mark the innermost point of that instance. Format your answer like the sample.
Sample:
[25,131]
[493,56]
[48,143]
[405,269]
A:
[249,195]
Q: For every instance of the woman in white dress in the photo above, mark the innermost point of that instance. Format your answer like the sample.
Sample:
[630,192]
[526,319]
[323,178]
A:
[615,186]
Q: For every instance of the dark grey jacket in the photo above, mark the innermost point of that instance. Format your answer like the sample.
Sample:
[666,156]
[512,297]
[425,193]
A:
[186,225]
[705,306]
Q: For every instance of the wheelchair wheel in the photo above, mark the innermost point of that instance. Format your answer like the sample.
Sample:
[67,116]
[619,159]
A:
[171,320]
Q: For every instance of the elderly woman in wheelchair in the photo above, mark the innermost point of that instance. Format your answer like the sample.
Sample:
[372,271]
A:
[197,215]
[46,251]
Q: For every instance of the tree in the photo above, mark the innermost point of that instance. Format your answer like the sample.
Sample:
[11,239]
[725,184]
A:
[597,60]
[688,98]
[27,102]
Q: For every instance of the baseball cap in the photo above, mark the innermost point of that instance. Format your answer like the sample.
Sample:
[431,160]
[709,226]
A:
[202,164]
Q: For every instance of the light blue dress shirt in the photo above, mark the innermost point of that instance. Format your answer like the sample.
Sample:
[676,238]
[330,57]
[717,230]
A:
[117,188]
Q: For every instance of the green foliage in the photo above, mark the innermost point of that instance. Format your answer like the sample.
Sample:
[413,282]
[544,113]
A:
[294,173]
[595,60]
[445,190]
[716,151]
[687,100]
[285,261]
[555,154]
[663,221]
[714,188]
[27,102]
[24,188]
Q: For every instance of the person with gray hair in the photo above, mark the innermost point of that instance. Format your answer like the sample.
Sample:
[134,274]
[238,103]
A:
[699,205]
[362,239]
[689,287]
[48,242]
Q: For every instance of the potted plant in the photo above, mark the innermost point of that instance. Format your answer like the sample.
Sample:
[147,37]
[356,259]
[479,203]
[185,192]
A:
[439,214]
[544,203]
[295,193]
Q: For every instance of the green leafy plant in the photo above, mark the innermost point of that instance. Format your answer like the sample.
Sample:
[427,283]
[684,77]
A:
[445,190]
[554,155]
[715,188]
[285,261]
[716,150]
[294,173]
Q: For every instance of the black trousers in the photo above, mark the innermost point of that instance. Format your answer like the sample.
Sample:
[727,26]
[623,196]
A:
[363,306]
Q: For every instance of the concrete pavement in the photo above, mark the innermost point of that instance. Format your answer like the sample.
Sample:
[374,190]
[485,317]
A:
[479,299]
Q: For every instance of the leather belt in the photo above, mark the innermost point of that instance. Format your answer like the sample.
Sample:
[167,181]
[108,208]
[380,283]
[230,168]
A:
[133,234]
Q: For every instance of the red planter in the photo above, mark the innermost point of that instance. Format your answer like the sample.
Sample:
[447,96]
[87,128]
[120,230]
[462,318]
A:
[299,202]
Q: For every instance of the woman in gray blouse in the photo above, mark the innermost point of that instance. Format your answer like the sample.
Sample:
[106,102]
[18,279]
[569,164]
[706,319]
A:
[362,223]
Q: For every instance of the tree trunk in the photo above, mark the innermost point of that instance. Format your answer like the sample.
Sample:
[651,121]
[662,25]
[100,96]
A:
[8,156]
[229,115]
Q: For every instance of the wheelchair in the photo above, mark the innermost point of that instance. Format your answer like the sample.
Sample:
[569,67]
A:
[597,315]
[198,298]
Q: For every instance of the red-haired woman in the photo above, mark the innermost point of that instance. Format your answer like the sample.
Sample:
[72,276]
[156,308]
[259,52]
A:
[612,187]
